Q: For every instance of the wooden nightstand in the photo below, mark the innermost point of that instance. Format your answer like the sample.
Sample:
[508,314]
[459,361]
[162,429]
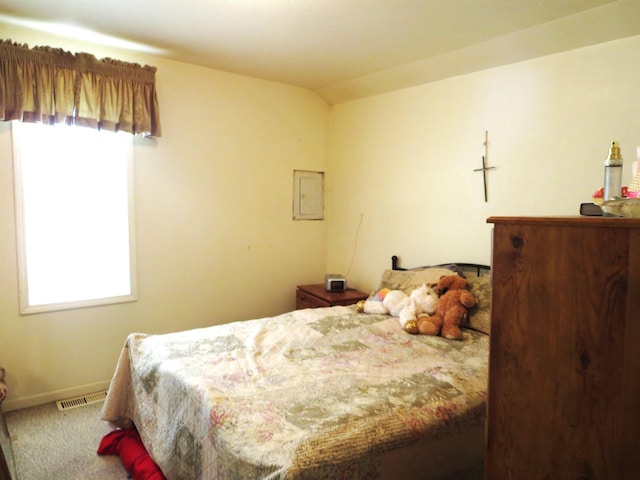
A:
[312,296]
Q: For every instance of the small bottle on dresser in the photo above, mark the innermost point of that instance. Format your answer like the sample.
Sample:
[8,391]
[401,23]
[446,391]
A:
[613,173]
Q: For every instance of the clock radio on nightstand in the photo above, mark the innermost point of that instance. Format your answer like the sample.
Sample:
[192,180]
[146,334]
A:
[335,283]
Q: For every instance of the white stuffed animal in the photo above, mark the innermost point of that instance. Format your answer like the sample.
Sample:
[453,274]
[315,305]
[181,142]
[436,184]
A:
[405,307]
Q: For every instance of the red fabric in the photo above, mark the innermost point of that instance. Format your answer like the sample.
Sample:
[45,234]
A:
[136,459]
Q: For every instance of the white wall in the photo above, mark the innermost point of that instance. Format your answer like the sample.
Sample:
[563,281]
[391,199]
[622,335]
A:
[403,161]
[216,242]
[215,237]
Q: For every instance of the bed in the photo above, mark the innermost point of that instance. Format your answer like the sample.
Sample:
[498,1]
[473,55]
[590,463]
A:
[326,393]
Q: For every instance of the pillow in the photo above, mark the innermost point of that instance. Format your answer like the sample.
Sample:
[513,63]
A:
[480,315]
[453,267]
[409,280]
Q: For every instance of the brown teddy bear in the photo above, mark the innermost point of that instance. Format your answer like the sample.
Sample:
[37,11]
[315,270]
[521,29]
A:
[451,310]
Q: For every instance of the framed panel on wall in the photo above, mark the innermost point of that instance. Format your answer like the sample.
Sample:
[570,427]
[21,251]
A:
[308,195]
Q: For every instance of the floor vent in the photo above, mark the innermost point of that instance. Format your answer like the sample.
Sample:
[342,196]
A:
[81,401]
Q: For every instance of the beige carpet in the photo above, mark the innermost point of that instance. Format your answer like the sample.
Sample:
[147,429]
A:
[52,445]
[49,444]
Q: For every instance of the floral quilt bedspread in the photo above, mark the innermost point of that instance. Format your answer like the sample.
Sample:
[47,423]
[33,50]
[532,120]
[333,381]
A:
[309,394]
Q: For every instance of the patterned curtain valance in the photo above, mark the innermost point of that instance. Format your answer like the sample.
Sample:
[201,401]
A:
[49,85]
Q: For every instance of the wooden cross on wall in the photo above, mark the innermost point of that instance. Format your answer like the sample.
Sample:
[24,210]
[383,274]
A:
[485,168]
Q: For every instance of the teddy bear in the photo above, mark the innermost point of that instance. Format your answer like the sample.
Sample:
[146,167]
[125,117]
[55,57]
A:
[405,307]
[451,311]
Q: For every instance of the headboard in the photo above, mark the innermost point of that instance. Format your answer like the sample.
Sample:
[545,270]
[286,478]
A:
[478,269]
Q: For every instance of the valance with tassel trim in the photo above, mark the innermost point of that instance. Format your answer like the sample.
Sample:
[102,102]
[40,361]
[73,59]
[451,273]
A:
[48,85]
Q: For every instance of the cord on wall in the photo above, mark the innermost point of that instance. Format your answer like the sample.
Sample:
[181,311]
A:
[355,245]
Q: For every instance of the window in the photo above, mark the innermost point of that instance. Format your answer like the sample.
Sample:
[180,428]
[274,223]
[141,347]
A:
[74,215]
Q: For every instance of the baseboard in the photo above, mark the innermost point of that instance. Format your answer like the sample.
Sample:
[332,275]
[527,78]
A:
[34,400]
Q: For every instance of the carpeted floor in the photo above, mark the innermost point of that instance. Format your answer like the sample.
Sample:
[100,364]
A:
[50,444]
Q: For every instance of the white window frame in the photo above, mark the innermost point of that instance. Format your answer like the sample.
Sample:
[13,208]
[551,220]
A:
[24,133]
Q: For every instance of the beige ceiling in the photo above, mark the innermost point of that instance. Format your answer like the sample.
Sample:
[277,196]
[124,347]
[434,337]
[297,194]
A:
[345,49]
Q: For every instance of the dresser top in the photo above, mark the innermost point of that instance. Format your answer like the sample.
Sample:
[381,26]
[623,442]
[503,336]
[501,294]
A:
[571,221]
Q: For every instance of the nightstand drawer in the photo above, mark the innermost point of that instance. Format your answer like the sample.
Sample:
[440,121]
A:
[305,300]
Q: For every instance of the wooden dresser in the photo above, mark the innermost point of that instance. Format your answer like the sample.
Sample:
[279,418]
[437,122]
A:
[564,369]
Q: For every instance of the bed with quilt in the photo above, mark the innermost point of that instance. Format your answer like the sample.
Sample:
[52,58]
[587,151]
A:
[325,393]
